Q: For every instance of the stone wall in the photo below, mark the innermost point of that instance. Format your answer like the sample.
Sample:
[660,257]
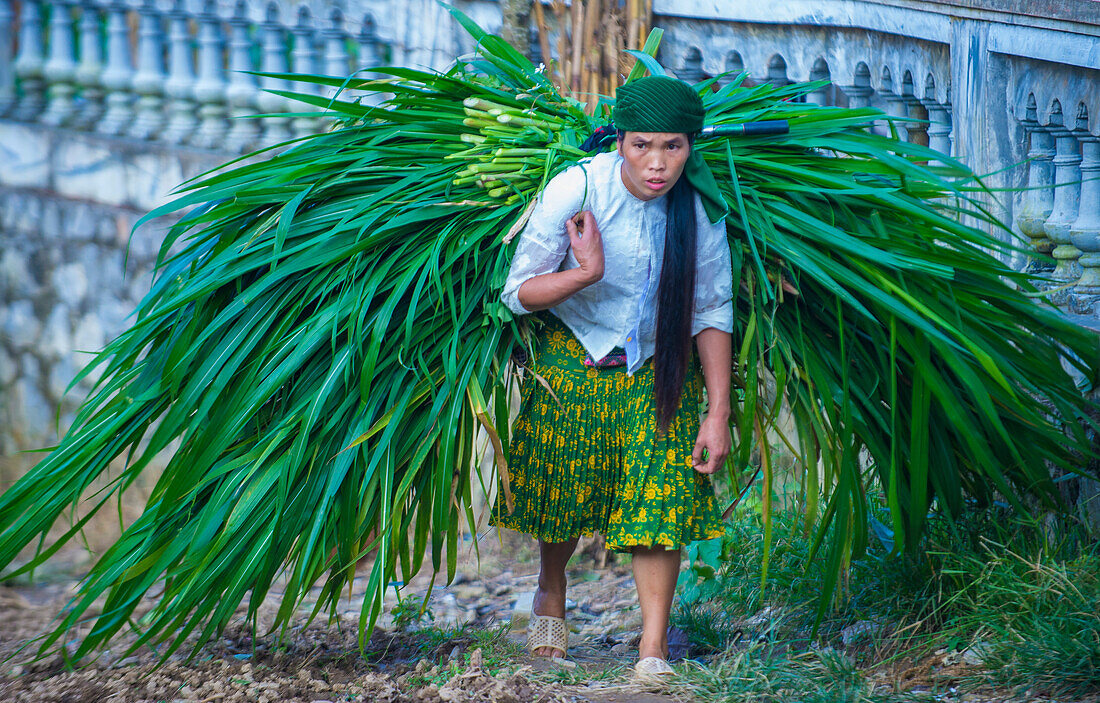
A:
[70,273]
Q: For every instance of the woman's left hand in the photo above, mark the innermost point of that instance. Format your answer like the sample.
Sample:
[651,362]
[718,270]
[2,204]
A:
[714,437]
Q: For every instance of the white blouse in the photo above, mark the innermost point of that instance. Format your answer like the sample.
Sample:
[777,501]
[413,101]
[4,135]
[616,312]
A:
[620,309]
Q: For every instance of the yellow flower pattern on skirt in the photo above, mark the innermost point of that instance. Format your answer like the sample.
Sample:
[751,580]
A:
[595,463]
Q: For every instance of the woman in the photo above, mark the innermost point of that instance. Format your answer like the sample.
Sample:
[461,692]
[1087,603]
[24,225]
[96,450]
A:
[628,252]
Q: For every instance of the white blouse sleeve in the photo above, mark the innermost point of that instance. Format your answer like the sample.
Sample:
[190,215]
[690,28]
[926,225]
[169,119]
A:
[713,275]
[544,242]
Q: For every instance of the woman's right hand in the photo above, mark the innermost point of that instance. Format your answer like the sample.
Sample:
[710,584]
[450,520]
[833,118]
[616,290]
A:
[587,244]
[549,289]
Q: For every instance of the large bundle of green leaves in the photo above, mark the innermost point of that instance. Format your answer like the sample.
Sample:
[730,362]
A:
[324,340]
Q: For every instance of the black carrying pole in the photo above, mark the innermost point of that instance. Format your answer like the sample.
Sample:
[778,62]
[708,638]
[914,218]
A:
[763,128]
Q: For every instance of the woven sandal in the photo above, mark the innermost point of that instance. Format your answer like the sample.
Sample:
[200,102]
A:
[547,631]
[653,669]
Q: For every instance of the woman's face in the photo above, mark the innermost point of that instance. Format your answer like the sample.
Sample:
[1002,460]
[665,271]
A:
[652,161]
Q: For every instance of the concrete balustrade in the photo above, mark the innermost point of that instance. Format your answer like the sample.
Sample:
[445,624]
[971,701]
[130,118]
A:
[172,71]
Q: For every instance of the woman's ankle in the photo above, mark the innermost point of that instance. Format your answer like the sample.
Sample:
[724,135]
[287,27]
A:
[653,647]
[549,599]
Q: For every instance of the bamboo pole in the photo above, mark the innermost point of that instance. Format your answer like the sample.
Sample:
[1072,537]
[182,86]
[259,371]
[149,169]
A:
[591,81]
[633,28]
[578,46]
[563,56]
[610,54]
[616,52]
[544,39]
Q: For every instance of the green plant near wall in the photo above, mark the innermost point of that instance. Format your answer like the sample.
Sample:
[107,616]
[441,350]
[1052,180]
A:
[324,339]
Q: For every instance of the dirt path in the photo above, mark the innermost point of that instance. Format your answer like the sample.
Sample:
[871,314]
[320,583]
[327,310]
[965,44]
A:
[321,661]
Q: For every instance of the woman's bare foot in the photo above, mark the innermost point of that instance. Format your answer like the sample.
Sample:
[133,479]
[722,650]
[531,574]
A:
[549,600]
[550,596]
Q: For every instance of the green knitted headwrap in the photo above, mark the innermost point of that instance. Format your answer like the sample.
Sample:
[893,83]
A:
[665,104]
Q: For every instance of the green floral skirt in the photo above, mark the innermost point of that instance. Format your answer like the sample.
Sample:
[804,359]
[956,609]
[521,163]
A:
[586,456]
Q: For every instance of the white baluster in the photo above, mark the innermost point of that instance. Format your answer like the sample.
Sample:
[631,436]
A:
[180,85]
[29,63]
[894,107]
[777,72]
[908,130]
[150,76]
[819,72]
[860,92]
[1039,197]
[303,55]
[90,69]
[1067,192]
[7,70]
[276,129]
[939,116]
[337,61]
[692,70]
[916,129]
[242,92]
[1085,233]
[60,69]
[735,65]
[118,76]
[210,86]
[939,131]
[939,127]
[320,124]
[950,146]
[369,56]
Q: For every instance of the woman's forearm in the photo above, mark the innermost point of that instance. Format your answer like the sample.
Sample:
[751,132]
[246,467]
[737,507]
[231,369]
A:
[549,289]
[716,357]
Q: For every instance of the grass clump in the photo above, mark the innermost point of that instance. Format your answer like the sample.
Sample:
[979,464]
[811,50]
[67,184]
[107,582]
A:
[766,673]
[988,600]
[1036,621]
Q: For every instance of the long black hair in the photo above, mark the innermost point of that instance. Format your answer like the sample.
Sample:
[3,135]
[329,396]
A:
[675,300]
